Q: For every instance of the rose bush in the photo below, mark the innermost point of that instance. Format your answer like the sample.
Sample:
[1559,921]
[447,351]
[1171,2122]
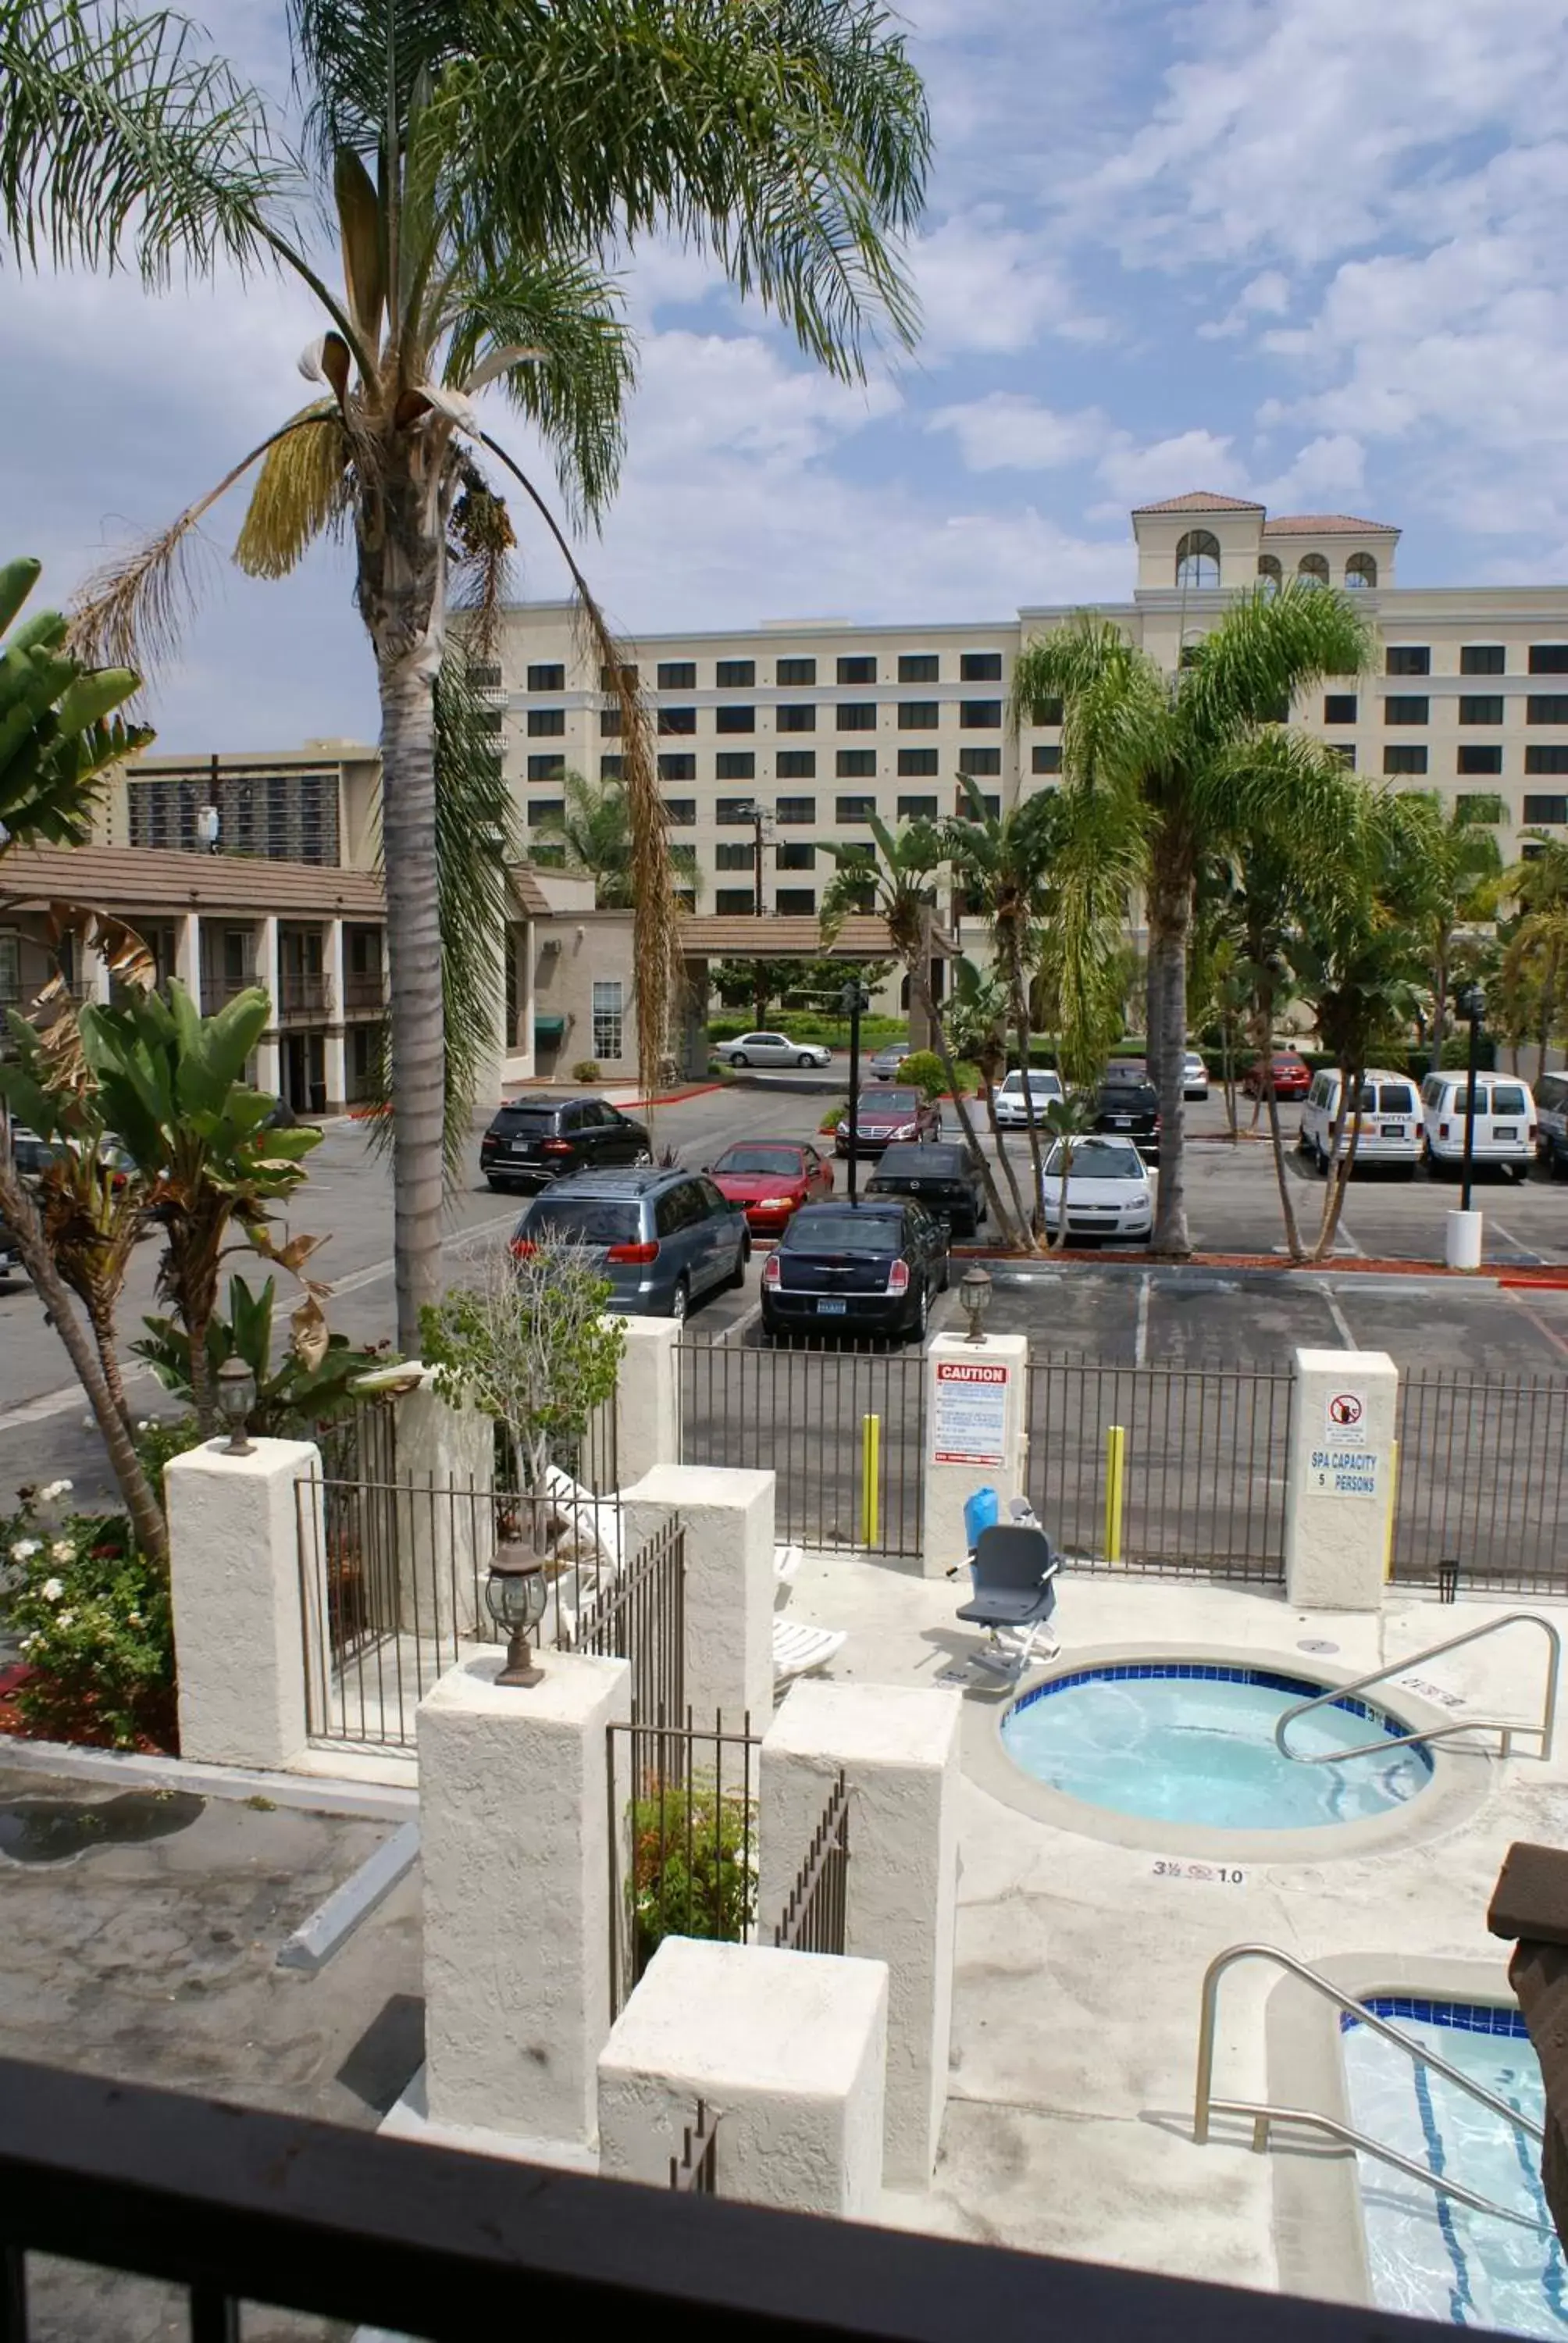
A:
[93,1624]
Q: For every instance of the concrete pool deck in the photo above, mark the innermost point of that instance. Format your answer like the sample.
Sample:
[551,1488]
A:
[1079,1960]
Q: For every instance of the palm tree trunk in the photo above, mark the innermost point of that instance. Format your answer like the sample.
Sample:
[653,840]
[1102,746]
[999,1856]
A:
[146,1515]
[1281,1177]
[402,589]
[1439,996]
[1339,1169]
[1021,1020]
[1170,917]
[920,986]
[1002,1157]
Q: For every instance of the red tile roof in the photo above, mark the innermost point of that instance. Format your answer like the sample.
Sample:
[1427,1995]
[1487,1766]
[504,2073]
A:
[1325,525]
[1201,500]
[715,934]
[137,880]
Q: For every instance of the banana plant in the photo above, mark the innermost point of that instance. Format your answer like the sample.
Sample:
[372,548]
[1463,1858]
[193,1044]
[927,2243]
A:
[308,1387]
[58,730]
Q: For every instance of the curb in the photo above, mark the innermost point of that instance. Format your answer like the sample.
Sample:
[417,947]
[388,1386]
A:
[332,1923]
[361,1801]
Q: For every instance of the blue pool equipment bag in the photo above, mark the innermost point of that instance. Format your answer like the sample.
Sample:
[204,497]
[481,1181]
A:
[982,1512]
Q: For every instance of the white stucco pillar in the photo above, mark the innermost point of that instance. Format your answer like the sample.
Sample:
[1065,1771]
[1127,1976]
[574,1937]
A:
[728,1517]
[187,955]
[446,1530]
[976,1419]
[787,2048]
[336,1052]
[268,1051]
[1339,1479]
[514,1831]
[234,1549]
[647,1398]
[898,1745]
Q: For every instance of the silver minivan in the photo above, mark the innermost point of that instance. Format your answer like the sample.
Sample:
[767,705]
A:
[1391,1125]
[1505,1123]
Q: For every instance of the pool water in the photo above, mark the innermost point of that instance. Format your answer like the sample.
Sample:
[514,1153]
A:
[1184,1742]
[1428,2255]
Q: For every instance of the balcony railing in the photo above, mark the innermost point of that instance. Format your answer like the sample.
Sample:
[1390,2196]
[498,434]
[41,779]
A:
[218,985]
[303,995]
[364,990]
[235,2206]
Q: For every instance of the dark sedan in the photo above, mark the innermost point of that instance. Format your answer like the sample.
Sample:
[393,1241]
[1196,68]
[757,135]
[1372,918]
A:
[883,1116]
[1132,1109]
[535,1140]
[941,1175]
[865,1267]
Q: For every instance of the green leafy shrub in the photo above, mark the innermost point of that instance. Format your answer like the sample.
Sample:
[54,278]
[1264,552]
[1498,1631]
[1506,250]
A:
[925,1070]
[586,1070]
[832,1118]
[692,1872]
[95,1624]
[160,1438]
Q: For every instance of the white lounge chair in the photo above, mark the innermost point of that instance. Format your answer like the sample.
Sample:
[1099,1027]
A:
[797,1649]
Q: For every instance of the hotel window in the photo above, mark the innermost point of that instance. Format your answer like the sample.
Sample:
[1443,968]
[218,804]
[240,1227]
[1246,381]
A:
[1050,712]
[1483,659]
[1543,707]
[790,813]
[730,811]
[735,900]
[678,765]
[1475,758]
[1481,708]
[1339,707]
[1549,658]
[796,903]
[735,720]
[795,765]
[489,678]
[540,678]
[1545,812]
[801,717]
[489,719]
[609,724]
[1477,807]
[979,760]
[1404,760]
[1401,710]
[683,858]
[916,809]
[918,667]
[988,805]
[1546,760]
[858,716]
[546,723]
[1045,758]
[918,764]
[1408,659]
[1360,571]
[919,714]
[544,809]
[734,675]
[792,672]
[677,719]
[608,1010]
[856,764]
[546,768]
[737,857]
[677,674]
[794,854]
[734,765]
[1346,754]
[979,715]
[680,813]
[980,667]
[609,768]
[857,670]
[854,809]
[607,681]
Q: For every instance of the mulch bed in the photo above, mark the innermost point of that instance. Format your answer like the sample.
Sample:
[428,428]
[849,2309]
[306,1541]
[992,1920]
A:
[80,1726]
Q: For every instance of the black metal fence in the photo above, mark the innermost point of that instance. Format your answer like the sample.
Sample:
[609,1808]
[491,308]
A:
[1163,1471]
[1482,1481]
[814,1917]
[682,1839]
[695,2171]
[842,1425]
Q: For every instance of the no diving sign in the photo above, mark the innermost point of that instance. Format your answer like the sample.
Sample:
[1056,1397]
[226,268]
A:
[1344,1412]
[1347,1465]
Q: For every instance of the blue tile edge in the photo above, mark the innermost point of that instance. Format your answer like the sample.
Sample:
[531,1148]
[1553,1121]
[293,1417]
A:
[1460,2016]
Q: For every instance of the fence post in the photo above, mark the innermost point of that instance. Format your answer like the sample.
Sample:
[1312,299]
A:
[235,1587]
[1338,1479]
[647,1398]
[898,1748]
[444,1541]
[1115,1487]
[728,1518]
[976,1434]
[515,1840]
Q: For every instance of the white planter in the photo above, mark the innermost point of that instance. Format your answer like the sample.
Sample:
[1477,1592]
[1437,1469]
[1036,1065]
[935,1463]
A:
[1463,1249]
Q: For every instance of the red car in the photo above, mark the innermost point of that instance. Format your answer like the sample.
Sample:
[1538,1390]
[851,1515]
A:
[1292,1076]
[771,1179]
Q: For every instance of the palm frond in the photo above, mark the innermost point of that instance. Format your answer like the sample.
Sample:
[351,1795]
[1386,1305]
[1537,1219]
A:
[304,490]
[1267,647]
[358,61]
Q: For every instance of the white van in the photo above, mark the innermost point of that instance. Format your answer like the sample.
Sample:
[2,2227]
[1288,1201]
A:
[1506,1129]
[1390,1130]
[1012,1111]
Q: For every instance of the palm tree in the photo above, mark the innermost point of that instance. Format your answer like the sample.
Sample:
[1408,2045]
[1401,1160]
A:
[976,1014]
[484,168]
[1166,745]
[1536,958]
[1466,877]
[592,837]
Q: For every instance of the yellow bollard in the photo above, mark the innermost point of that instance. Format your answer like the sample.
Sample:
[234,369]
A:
[1115,1483]
[870,1471]
[1393,1507]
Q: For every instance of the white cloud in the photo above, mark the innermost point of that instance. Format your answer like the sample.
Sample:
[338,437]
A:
[1190,459]
[1267,294]
[985,287]
[1007,430]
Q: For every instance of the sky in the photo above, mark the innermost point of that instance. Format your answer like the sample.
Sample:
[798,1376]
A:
[1306,251]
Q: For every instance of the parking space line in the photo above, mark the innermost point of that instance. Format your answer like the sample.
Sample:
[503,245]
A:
[1342,1324]
[1541,1324]
[1345,1242]
[1517,1242]
[1140,1335]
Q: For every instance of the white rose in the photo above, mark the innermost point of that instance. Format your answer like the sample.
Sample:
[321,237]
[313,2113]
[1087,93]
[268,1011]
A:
[62,1550]
[133,1618]
[64,1619]
[55,1489]
[23,1549]
[51,1589]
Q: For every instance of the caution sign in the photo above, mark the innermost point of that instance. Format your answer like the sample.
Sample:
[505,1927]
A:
[970,1412]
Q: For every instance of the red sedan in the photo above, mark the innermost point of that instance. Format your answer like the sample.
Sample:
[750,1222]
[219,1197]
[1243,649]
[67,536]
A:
[1292,1076]
[771,1179]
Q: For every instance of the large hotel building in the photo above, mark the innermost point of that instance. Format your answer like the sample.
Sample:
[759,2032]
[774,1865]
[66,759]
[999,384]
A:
[812,723]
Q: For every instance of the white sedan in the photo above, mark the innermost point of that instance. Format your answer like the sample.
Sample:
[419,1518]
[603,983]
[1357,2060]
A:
[1110,1191]
[772,1049]
[1195,1076]
[1012,1111]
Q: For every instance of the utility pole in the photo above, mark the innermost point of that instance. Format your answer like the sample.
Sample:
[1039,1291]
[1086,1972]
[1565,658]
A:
[854,1001]
[1472,1007]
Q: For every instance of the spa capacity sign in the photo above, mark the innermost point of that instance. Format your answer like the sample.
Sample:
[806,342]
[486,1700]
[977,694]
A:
[970,1412]
[1347,1465]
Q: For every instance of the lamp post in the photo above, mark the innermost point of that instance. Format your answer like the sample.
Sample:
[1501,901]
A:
[975,1299]
[515,1597]
[1471,1006]
[235,1398]
[854,1001]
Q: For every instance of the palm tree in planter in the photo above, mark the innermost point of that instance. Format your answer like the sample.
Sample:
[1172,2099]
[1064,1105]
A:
[1467,880]
[484,167]
[1168,746]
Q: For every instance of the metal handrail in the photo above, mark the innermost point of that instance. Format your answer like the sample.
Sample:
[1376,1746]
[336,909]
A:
[1263,2113]
[1506,1728]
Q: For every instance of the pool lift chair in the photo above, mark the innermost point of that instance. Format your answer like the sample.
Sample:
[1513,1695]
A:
[1014,1567]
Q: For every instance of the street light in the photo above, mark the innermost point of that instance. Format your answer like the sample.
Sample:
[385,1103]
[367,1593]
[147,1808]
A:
[975,1298]
[515,1597]
[1471,1006]
[853,1001]
[759,816]
[235,1398]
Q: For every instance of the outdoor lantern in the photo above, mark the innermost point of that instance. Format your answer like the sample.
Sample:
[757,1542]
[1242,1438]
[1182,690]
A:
[235,1398]
[515,1597]
[974,1296]
[1472,1003]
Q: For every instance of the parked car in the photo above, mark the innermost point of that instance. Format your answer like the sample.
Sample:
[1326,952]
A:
[32,1155]
[882,1116]
[532,1140]
[1131,1109]
[942,1175]
[1292,1077]
[771,1179]
[772,1049]
[1109,1191]
[1391,1123]
[1507,1130]
[1195,1076]
[865,1266]
[1552,1123]
[661,1238]
[1124,1070]
[1011,1111]
[887,1063]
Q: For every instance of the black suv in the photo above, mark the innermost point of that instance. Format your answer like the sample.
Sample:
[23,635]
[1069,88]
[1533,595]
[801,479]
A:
[865,1266]
[1131,1109]
[942,1175]
[535,1140]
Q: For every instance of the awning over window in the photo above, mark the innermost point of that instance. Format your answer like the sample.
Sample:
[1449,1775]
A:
[550,1032]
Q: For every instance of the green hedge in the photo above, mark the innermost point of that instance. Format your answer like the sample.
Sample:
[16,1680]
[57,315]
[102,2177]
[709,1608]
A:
[810,1025]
